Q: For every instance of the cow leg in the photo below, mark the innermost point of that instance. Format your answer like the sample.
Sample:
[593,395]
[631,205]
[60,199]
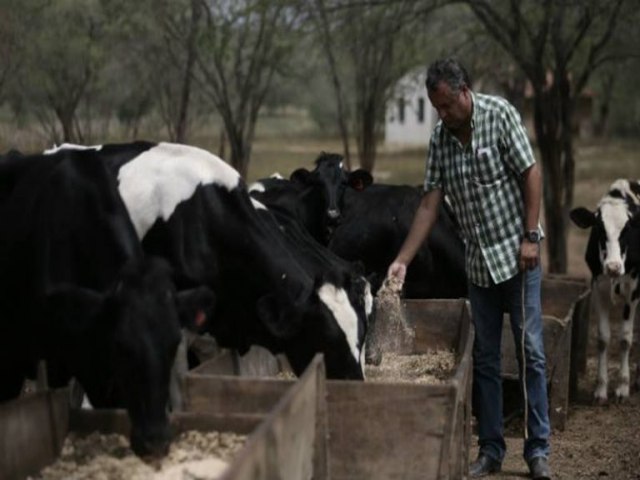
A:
[626,339]
[178,373]
[602,300]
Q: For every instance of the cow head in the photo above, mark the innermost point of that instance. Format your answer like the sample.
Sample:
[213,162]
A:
[613,225]
[330,179]
[331,318]
[123,344]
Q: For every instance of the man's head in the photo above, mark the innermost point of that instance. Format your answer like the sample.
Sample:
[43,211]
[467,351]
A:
[449,90]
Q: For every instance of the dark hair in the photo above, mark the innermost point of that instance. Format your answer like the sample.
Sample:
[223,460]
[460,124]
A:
[447,70]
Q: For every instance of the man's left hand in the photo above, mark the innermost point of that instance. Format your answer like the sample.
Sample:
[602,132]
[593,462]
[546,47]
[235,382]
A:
[529,255]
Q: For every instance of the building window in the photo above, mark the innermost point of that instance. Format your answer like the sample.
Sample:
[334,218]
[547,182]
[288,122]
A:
[401,110]
[421,110]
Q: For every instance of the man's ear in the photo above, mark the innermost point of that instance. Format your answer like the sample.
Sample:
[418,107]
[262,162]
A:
[74,309]
[359,179]
[195,307]
[582,217]
[301,175]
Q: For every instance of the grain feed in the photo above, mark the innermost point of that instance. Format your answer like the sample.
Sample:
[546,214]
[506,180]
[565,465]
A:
[433,367]
[389,331]
[108,457]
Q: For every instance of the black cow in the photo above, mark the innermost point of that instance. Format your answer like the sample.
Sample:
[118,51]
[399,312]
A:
[321,190]
[375,222]
[193,209]
[77,291]
[613,256]
[372,223]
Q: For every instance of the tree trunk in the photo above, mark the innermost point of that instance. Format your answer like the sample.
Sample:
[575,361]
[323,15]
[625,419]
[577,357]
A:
[238,153]
[66,122]
[367,144]
[367,129]
[552,118]
[185,93]
[604,100]
[335,80]
[222,145]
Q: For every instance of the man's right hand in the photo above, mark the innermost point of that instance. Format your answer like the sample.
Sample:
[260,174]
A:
[397,270]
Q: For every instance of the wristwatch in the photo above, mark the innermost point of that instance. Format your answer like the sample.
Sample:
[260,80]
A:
[532,236]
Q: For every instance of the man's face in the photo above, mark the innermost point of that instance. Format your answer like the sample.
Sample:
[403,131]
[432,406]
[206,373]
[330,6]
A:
[454,108]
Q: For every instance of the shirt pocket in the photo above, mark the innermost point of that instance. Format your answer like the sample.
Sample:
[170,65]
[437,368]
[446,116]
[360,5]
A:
[487,168]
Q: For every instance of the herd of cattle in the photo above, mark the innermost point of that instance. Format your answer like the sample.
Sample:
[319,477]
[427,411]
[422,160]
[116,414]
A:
[108,252]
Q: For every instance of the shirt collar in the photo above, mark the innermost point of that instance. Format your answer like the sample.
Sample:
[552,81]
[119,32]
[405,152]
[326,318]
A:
[474,113]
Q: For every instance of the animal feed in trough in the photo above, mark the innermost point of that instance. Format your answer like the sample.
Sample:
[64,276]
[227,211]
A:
[108,457]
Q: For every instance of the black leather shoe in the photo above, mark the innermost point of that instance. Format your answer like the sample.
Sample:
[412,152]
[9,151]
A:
[539,468]
[484,465]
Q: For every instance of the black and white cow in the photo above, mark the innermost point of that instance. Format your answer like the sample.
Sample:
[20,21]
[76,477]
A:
[193,209]
[77,291]
[331,270]
[613,256]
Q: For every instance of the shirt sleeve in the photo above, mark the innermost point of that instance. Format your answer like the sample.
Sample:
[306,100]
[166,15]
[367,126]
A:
[518,154]
[433,173]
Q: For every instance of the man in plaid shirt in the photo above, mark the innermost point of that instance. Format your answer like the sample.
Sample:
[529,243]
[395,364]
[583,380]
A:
[480,157]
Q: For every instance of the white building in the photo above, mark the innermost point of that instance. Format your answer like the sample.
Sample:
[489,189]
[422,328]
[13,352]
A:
[410,118]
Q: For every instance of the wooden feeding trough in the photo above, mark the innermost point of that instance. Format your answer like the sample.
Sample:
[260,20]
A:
[390,430]
[282,442]
[565,316]
[377,430]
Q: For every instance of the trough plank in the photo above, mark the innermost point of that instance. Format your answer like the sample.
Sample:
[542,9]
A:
[386,431]
[285,446]
[258,398]
[440,329]
[32,433]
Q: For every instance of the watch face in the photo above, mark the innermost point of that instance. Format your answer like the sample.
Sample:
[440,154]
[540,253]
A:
[533,236]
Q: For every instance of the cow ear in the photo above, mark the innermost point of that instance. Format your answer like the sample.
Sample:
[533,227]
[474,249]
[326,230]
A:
[301,175]
[195,307]
[278,319]
[360,179]
[582,217]
[73,308]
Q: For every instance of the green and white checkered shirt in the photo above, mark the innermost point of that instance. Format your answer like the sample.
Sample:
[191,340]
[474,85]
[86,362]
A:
[483,183]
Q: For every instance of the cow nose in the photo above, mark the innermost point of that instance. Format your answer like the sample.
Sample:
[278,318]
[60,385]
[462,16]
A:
[152,443]
[151,449]
[614,269]
[333,213]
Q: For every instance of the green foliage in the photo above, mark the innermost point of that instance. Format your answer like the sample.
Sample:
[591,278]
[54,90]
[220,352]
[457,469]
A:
[82,67]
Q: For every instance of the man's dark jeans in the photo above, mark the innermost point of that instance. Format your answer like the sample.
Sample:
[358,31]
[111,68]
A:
[488,306]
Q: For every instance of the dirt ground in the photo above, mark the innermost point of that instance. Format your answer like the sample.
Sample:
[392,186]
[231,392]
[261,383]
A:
[599,442]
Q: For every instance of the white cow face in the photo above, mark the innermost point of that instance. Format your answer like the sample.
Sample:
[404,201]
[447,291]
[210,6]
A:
[614,216]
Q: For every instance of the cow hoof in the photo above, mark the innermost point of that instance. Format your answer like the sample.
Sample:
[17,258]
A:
[622,393]
[600,400]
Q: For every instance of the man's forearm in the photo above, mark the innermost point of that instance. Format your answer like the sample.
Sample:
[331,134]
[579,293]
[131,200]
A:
[423,221]
[532,196]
